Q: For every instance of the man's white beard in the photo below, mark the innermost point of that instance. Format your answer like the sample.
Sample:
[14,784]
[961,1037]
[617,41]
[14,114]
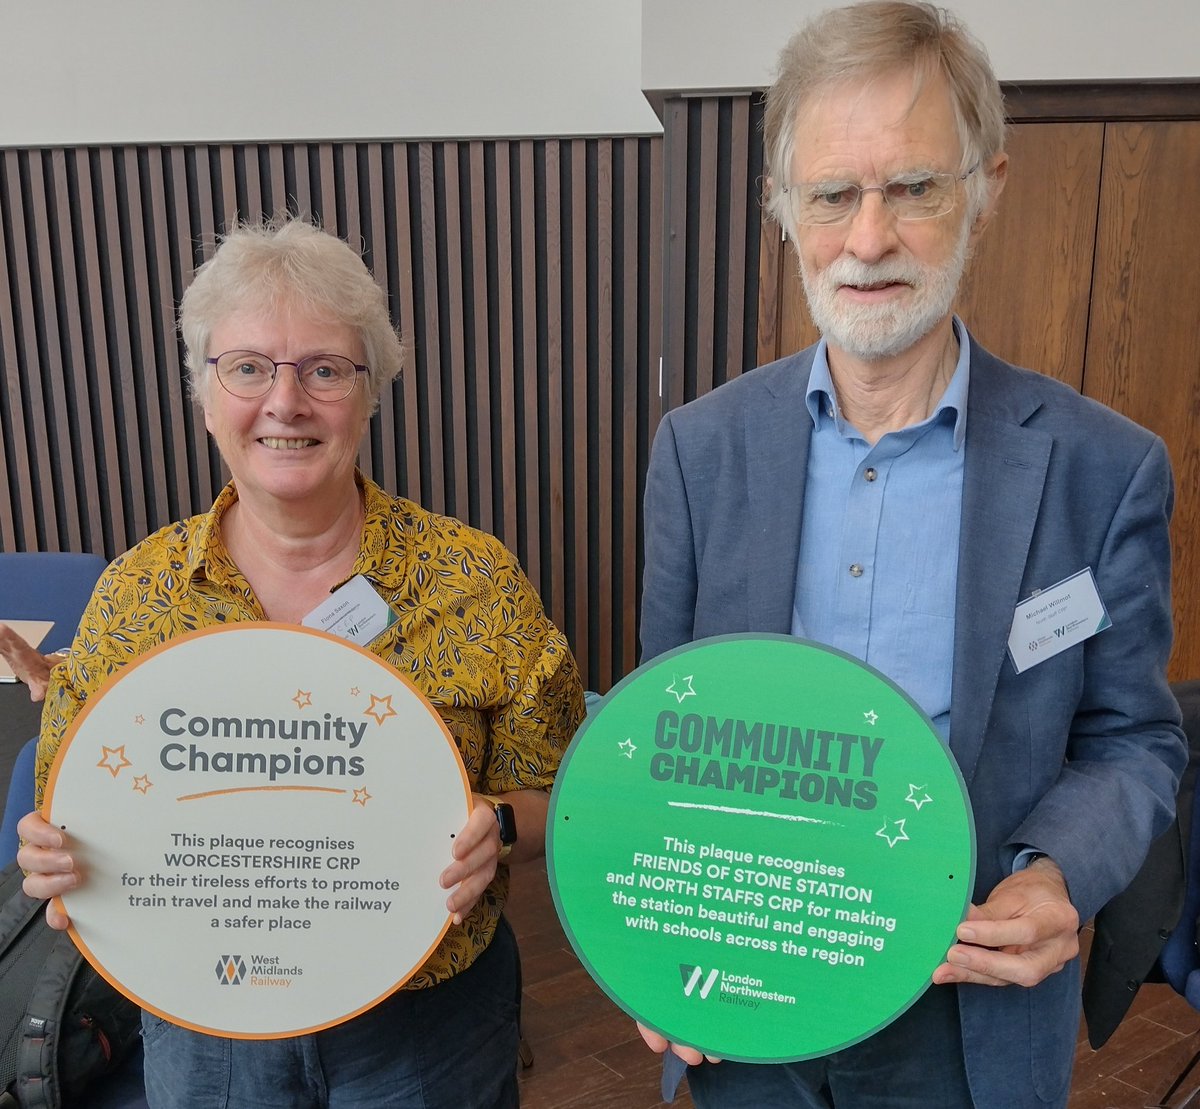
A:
[871,331]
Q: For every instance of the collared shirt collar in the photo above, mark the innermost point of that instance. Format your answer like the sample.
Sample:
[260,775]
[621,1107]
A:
[207,558]
[821,399]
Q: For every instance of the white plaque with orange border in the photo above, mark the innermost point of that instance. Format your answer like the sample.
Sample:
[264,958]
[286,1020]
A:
[261,813]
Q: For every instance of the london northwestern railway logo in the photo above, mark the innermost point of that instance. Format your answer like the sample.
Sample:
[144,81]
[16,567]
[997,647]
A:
[695,980]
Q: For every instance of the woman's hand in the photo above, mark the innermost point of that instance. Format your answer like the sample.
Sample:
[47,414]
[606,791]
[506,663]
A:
[476,853]
[49,866]
[29,665]
[476,849]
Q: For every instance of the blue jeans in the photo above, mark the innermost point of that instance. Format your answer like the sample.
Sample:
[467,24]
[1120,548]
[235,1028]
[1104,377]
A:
[916,1062]
[453,1046]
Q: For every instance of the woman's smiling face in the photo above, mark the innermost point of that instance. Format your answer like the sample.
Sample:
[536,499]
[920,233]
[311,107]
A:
[284,444]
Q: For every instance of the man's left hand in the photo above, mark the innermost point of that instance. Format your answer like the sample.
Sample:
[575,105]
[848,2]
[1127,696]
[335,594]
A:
[1025,931]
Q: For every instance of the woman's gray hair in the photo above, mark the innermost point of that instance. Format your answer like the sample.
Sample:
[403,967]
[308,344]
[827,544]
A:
[876,38]
[281,264]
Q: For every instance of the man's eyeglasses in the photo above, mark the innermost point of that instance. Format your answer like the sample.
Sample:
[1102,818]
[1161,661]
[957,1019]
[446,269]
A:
[324,377]
[911,196]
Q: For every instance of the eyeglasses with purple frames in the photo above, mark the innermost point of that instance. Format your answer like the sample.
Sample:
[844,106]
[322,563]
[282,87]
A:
[324,377]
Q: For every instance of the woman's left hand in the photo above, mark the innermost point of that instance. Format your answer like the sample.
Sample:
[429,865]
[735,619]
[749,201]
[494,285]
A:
[476,854]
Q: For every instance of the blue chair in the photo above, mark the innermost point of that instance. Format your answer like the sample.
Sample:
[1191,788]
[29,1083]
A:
[55,587]
[37,586]
[19,800]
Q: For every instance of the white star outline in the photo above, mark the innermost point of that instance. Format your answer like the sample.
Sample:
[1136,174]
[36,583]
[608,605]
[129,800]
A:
[897,834]
[680,693]
[871,717]
[628,748]
[918,801]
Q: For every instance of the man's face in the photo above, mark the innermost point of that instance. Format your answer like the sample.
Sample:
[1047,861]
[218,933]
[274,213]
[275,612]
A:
[876,285]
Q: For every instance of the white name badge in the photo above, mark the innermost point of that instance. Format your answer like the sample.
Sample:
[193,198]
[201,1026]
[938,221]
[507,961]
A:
[354,612]
[1056,618]
[262,813]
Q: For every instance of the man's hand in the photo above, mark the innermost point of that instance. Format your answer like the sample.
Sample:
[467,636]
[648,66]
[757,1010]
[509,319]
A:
[659,1044]
[28,664]
[1025,931]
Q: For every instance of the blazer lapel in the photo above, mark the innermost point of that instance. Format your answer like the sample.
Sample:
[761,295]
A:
[777,433]
[1003,479]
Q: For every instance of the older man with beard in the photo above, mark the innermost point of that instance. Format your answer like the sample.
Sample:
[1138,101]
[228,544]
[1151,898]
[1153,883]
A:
[897,492]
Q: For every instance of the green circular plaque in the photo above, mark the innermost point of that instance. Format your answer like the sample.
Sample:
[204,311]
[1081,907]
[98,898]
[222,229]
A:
[760,847]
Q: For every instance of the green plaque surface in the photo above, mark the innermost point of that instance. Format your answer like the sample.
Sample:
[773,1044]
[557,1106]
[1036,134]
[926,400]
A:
[760,847]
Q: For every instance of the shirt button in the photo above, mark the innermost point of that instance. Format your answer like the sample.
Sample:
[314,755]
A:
[870,474]
[856,570]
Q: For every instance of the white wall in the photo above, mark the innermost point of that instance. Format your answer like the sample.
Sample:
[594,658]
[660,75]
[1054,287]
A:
[695,44]
[126,71]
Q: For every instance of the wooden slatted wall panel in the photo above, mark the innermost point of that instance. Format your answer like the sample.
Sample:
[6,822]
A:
[525,277]
[713,151]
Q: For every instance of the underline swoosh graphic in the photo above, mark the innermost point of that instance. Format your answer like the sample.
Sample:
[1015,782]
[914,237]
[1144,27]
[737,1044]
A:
[754,812]
[259,789]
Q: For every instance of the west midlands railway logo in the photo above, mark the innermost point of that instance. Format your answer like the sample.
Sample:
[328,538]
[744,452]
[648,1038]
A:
[230,970]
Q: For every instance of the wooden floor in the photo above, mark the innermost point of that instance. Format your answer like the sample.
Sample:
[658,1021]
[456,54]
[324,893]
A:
[587,1053]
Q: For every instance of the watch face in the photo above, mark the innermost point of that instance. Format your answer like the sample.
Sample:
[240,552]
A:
[507,819]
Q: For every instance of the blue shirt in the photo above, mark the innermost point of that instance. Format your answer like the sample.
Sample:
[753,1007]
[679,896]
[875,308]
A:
[878,559]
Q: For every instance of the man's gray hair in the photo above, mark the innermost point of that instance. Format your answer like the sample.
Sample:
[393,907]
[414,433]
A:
[877,38]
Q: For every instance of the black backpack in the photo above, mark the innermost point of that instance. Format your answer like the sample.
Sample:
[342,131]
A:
[62,1026]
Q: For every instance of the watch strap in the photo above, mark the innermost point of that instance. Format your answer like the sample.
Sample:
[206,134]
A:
[506,821]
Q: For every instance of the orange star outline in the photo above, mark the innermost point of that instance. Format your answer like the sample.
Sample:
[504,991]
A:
[303,698]
[113,759]
[142,784]
[361,797]
[374,712]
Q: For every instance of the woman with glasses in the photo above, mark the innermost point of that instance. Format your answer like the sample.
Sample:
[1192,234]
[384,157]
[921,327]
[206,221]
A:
[289,345]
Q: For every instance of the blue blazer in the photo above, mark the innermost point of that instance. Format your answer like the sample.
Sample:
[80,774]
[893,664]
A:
[1079,756]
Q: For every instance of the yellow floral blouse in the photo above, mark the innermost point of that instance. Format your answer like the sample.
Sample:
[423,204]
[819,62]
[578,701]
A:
[471,635]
